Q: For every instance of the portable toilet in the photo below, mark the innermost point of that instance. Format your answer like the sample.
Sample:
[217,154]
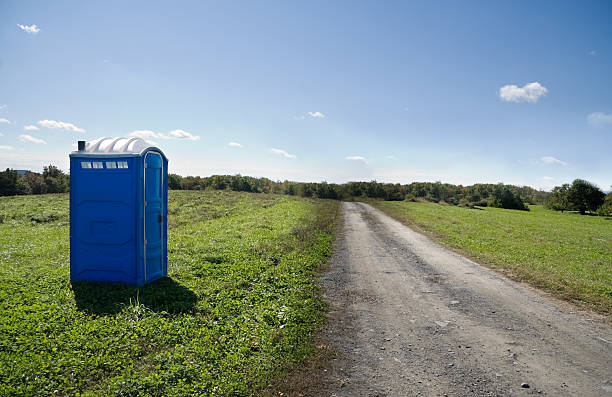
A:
[118,211]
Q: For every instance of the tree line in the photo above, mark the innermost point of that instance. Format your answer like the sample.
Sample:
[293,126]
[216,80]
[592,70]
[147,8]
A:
[495,195]
[581,196]
[52,180]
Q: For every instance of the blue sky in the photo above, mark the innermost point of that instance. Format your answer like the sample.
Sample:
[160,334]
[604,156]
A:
[462,92]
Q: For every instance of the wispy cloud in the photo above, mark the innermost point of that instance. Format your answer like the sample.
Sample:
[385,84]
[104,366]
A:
[316,115]
[4,121]
[147,134]
[355,158]
[5,147]
[30,138]
[548,178]
[531,92]
[30,29]
[283,153]
[30,127]
[599,119]
[62,125]
[552,160]
[180,134]
[592,53]
[1,134]
[3,107]
[234,144]
[391,157]
[174,134]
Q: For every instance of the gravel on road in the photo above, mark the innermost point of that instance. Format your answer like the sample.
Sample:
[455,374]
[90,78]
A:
[411,318]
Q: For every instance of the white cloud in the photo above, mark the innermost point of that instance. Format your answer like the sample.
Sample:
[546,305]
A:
[283,153]
[180,134]
[152,143]
[235,144]
[30,138]
[548,178]
[2,106]
[147,134]
[31,29]
[391,157]
[316,115]
[5,147]
[4,121]
[599,119]
[30,127]
[357,158]
[174,134]
[593,53]
[528,93]
[552,160]
[1,134]
[60,125]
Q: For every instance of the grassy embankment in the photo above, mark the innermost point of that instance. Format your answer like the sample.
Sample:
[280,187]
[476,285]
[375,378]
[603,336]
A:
[239,309]
[567,254]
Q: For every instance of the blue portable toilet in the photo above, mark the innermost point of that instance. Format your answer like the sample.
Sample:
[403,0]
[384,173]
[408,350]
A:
[118,211]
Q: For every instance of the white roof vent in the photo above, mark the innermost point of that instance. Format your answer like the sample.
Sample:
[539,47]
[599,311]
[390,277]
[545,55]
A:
[115,146]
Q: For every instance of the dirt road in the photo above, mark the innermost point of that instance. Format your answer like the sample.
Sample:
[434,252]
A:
[410,318]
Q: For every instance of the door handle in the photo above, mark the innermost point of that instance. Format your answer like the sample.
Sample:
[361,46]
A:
[159,218]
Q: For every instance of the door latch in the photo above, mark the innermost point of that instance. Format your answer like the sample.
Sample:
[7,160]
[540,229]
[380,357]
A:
[159,218]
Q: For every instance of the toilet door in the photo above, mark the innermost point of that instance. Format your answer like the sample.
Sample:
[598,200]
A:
[153,209]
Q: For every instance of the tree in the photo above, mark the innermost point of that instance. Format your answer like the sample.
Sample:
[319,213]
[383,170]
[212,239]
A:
[375,190]
[557,200]
[174,182]
[606,208]
[354,189]
[36,183]
[584,196]
[11,184]
[55,179]
[503,197]
[189,183]
[305,190]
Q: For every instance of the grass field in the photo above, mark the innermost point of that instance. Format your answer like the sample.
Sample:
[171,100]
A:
[239,309]
[568,254]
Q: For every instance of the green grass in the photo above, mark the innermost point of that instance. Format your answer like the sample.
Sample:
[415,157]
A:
[240,307]
[568,254]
